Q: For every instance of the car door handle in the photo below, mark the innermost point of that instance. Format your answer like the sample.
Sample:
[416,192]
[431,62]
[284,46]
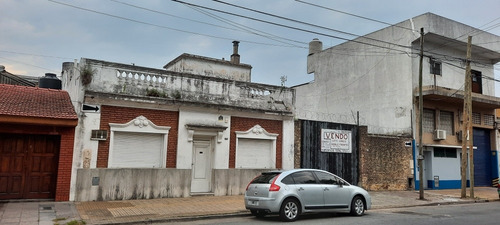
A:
[301,189]
[326,189]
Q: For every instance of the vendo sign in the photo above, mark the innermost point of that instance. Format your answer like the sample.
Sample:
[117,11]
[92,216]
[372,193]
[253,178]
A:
[338,141]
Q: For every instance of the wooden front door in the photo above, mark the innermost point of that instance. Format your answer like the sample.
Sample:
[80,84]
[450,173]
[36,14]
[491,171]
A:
[28,166]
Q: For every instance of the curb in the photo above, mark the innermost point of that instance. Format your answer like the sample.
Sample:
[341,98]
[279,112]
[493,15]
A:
[187,218]
[438,204]
[247,213]
[244,213]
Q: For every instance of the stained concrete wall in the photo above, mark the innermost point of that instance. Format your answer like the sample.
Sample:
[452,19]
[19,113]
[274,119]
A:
[122,184]
[199,65]
[233,181]
[116,78]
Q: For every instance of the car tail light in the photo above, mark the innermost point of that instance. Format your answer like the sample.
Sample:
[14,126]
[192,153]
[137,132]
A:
[250,183]
[274,187]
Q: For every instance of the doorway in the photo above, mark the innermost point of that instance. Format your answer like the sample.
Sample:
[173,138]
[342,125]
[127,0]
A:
[201,181]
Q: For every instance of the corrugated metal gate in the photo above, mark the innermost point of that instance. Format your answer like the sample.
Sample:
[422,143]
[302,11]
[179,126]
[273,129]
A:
[344,165]
[482,157]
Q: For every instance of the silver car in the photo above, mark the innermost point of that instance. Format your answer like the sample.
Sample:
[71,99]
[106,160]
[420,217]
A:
[293,192]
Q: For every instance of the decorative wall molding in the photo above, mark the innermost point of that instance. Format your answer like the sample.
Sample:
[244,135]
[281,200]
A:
[256,132]
[139,124]
[193,129]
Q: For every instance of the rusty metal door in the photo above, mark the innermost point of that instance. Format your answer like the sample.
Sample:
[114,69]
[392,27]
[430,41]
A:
[344,165]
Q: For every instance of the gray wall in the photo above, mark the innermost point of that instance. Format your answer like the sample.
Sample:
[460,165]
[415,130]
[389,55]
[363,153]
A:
[121,184]
[233,181]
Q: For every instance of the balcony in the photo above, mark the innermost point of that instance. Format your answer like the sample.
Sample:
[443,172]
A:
[442,94]
[155,85]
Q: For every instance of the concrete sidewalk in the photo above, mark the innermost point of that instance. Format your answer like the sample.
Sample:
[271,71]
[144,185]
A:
[172,209]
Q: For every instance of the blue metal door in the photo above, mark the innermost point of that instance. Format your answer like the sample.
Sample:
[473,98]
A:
[482,157]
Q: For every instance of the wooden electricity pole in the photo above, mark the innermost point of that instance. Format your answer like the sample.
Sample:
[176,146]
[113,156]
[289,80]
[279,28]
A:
[420,117]
[467,129]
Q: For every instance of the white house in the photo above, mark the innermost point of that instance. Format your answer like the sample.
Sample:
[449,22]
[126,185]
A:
[377,76]
[198,127]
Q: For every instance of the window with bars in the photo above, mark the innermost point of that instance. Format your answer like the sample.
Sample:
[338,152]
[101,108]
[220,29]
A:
[446,121]
[428,121]
[489,120]
[476,118]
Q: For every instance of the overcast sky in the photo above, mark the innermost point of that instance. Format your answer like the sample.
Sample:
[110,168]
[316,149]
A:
[37,36]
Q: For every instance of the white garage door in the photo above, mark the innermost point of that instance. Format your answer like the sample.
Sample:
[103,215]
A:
[255,154]
[137,150]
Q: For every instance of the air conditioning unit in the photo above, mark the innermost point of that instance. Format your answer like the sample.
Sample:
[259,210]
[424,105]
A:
[439,134]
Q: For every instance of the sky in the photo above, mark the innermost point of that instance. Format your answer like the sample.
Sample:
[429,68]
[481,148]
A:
[37,36]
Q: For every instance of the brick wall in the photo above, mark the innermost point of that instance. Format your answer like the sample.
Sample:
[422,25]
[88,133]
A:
[244,124]
[296,143]
[115,114]
[65,164]
[384,162]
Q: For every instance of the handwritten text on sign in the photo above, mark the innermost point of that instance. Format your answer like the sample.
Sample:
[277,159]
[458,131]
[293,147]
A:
[336,141]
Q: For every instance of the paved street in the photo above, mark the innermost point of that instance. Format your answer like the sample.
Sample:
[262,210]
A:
[168,210]
[460,214]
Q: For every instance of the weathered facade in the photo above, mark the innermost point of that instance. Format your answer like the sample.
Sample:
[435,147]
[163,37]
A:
[377,162]
[384,161]
[151,133]
[376,75]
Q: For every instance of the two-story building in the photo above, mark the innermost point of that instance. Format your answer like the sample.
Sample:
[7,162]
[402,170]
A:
[377,76]
[199,126]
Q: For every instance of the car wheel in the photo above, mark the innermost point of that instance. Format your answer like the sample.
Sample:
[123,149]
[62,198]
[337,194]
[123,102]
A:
[258,213]
[357,206]
[290,210]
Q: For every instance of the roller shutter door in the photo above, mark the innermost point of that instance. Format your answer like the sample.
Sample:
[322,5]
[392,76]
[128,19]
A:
[255,154]
[137,150]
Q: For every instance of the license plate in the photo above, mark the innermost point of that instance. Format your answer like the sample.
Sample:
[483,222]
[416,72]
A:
[255,203]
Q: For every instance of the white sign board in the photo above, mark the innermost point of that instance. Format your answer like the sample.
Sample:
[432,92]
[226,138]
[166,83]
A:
[338,141]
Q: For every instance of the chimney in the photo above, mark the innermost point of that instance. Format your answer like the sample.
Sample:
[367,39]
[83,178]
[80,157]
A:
[315,46]
[235,57]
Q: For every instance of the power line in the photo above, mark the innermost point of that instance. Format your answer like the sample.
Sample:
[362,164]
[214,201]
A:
[167,14]
[249,29]
[350,14]
[382,22]
[160,26]
[210,24]
[31,54]
[304,23]
[29,64]
[290,27]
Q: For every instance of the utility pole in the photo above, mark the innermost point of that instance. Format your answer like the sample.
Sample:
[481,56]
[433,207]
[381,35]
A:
[420,116]
[467,128]
[469,111]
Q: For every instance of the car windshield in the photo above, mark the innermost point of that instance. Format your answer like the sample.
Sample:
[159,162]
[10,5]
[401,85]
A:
[265,178]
